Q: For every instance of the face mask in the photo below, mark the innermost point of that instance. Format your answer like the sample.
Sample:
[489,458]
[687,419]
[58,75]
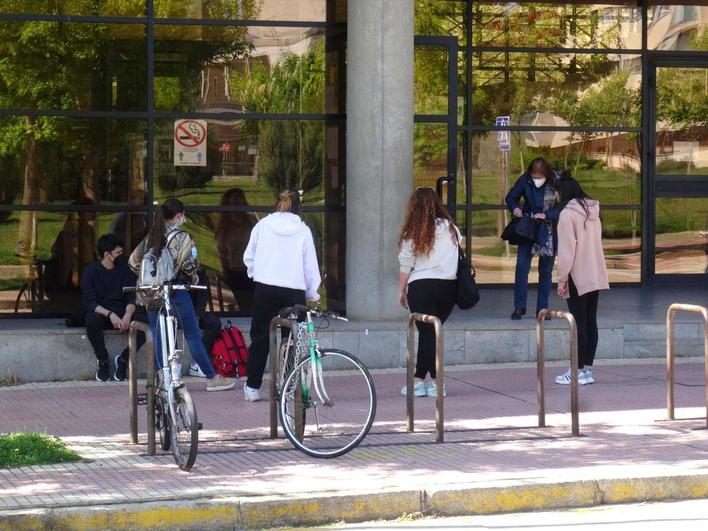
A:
[120,260]
[539,182]
[180,221]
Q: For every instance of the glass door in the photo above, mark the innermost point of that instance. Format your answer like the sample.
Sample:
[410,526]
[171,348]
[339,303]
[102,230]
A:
[679,167]
[435,133]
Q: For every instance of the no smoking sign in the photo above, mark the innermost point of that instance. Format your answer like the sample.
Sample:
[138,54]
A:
[190,142]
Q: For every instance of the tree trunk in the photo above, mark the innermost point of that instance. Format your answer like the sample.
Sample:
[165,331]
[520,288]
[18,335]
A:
[26,239]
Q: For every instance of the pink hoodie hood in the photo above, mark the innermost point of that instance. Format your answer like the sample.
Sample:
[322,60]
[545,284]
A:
[580,253]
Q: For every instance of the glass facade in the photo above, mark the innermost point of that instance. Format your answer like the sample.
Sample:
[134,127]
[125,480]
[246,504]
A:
[584,85]
[97,101]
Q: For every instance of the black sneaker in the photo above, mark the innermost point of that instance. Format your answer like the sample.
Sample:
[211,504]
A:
[102,371]
[121,374]
[517,313]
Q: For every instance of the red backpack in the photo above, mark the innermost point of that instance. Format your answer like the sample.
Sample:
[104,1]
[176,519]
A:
[229,353]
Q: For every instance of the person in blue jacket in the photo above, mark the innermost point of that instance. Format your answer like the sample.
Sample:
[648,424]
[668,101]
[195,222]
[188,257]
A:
[535,186]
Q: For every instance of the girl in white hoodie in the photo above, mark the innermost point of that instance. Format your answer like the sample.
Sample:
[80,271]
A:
[281,259]
[428,274]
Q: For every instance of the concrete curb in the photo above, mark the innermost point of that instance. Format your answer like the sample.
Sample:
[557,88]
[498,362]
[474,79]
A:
[234,513]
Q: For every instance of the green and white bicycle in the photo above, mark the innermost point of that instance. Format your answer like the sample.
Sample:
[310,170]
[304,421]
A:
[327,399]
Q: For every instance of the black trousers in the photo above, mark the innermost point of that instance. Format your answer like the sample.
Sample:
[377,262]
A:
[267,301]
[96,324]
[584,309]
[211,324]
[432,296]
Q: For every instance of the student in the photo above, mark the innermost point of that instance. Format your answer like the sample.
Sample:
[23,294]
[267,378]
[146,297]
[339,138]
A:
[582,272]
[106,307]
[281,259]
[428,274]
[535,186]
[169,217]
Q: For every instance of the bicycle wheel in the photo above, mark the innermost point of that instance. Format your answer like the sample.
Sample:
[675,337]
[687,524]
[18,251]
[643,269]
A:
[185,430]
[327,416]
[162,421]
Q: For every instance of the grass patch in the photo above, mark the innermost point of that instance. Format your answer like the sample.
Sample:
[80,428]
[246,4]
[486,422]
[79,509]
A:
[25,449]
[10,380]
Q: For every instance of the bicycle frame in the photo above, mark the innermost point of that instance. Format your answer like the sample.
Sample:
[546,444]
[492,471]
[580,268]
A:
[167,324]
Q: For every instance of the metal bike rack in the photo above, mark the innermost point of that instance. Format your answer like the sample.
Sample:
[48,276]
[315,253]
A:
[573,329]
[670,317]
[275,324]
[439,370]
[133,329]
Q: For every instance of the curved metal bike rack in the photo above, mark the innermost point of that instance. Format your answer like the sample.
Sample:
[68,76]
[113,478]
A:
[573,329]
[133,329]
[439,371]
[276,323]
[670,379]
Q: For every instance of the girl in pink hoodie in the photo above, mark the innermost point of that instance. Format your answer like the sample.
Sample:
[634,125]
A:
[581,269]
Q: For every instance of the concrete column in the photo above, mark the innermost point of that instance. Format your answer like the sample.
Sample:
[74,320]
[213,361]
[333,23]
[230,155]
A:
[379,151]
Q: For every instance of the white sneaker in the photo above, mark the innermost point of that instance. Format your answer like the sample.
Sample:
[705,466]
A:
[564,379]
[195,370]
[251,395]
[219,383]
[418,389]
[587,376]
[431,389]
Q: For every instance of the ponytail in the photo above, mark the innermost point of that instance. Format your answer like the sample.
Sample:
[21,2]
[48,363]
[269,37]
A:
[288,201]
[157,231]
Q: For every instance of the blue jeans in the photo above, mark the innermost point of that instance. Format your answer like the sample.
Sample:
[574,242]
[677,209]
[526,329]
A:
[521,282]
[183,309]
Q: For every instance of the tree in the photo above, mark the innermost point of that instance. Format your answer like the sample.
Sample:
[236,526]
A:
[290,152]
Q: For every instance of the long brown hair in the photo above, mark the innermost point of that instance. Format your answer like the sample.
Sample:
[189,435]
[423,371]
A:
[168,210]
[228,220]
[424,208]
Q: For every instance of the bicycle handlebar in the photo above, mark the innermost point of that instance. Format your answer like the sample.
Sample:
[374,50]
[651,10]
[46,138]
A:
[299,310]
[172,287]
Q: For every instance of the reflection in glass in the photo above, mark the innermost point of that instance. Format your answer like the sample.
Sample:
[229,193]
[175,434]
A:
[291,10]
[248,69]
[264,157]
[557,24]
[430,83]
[433,17]
[221,239]
[69,65]
[606,164]
[681,236]
[429,153]
[129,8]
[60,160]
[44,276]
[682,121]
[678,27]
[495,260]
[591,90]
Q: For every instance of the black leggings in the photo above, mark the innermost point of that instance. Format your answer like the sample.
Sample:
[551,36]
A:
[584,309]
[432,296]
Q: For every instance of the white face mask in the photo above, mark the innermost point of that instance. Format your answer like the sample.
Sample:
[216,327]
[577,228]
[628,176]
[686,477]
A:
[180,221]
[539,182]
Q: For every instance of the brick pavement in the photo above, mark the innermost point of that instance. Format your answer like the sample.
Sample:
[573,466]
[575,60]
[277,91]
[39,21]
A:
[491,439]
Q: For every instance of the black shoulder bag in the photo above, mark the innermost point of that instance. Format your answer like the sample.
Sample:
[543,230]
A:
[467,290]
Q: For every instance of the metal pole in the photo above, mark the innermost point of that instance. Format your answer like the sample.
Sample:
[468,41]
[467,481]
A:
[439,378]
[574,402]
[670,343]
[410,415]
[275,324]
[540,364]
[670,372]
[132,384]
[150,387]
[439,369]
